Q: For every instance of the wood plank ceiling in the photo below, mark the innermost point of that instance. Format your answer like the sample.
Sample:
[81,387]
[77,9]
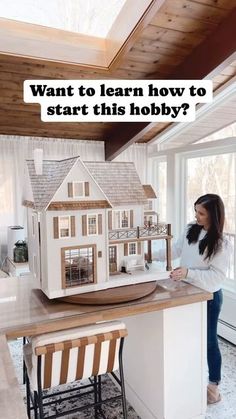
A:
[187,39]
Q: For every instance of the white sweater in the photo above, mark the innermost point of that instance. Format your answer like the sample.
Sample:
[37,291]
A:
[206,274]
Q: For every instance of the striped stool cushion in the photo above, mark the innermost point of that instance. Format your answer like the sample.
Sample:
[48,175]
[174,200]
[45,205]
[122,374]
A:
[74,354]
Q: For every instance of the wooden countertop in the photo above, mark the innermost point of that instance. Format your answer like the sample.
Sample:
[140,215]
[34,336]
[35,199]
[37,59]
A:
[26,311]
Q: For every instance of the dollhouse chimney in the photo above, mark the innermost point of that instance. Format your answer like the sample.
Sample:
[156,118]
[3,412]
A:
[38,161]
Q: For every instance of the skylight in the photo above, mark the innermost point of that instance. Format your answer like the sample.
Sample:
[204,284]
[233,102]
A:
[89,17]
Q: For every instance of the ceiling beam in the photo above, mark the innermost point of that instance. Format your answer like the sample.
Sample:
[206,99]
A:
[123,135]
[210,54]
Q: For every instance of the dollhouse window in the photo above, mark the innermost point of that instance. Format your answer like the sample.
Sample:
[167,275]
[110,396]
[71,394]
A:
[78,189]
[121,219]
[132,249]
[148,206]
[64,227]
[78,266]
[92,225]
[124,219]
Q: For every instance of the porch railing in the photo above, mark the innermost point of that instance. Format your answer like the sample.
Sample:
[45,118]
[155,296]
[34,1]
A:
[154,230]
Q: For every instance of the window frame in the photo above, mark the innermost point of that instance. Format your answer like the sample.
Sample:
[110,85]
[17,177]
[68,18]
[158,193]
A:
[205,151]
[74,183]
[96,218]
[132,244]
[155,181]
[63,265]
[120,218]
[176,182]
[59,227]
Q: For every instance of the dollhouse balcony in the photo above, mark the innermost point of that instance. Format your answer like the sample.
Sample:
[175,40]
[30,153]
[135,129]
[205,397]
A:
[154,231]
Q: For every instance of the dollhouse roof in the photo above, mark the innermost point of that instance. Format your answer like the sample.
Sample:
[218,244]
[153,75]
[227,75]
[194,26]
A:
[45,186]
[119,181]
[149,192]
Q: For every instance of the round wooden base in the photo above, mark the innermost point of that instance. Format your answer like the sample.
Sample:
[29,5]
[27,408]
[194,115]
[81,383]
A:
[112,295]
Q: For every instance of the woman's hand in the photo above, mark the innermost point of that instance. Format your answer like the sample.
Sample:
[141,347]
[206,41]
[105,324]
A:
[179,273]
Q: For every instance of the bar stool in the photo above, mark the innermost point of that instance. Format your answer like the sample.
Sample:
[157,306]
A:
[73,355]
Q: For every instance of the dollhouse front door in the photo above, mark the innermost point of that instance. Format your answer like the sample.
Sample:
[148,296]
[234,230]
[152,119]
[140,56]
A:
[112,259]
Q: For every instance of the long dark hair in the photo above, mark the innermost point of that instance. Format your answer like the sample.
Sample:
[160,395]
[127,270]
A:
[213,239]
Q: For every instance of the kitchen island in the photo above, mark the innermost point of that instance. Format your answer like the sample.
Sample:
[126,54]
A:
[165,351]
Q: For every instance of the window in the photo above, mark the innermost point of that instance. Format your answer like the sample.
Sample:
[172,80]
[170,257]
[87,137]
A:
[121,219]
[124,219]
[214,173]
[132,249]
[78,189]
[90,18]
[159,182]
[92,225]
[78,266]
[64,226]
[149,205]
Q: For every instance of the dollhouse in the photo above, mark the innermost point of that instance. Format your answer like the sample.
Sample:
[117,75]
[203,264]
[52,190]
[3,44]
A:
[150,215]
[86,225]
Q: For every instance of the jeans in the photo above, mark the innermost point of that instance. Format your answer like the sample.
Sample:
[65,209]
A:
[213,351]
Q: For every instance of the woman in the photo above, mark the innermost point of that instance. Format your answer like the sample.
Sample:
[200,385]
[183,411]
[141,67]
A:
[204,257]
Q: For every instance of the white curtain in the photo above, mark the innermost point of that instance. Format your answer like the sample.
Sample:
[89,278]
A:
[13,152]
[136,153]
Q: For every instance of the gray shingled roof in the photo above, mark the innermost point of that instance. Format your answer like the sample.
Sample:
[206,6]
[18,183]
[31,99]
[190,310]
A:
[45,186]
[119,181]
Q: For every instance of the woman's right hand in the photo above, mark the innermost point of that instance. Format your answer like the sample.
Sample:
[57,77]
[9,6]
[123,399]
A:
[178,274]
